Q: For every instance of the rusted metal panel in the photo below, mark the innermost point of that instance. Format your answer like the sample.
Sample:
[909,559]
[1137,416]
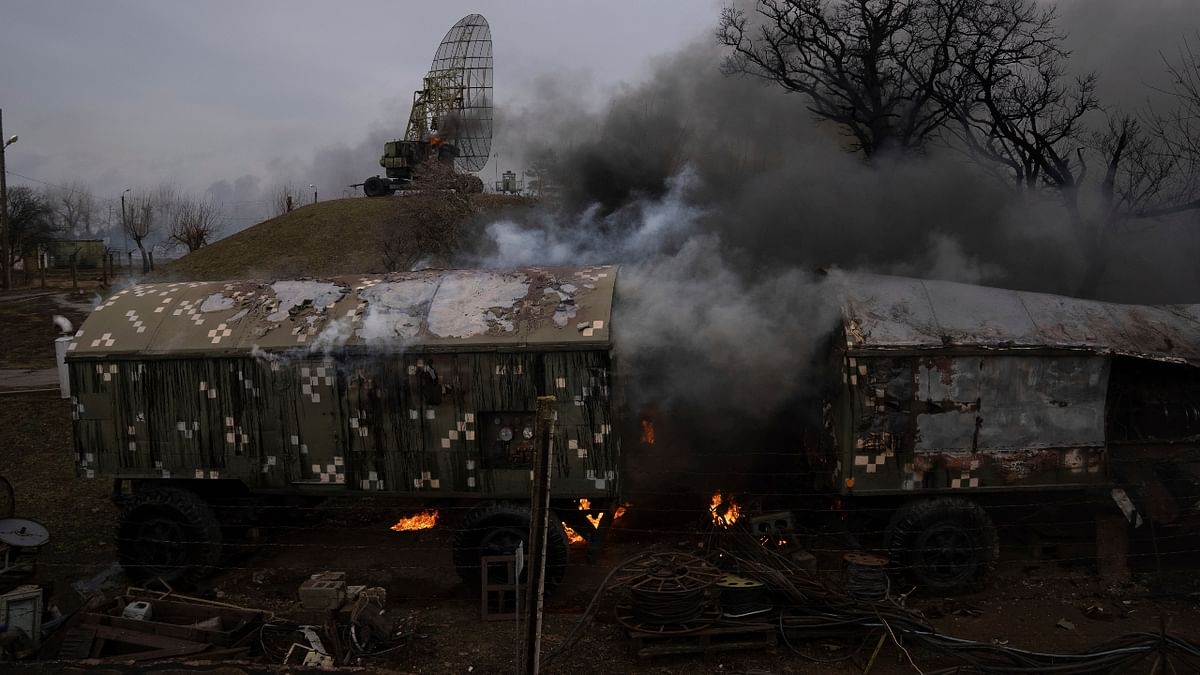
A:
[1001,403]
[901,314]
[430,309]
[977,422]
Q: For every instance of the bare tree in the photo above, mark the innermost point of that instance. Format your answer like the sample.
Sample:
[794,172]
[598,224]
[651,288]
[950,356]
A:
[989,78]
[444,208]
[1178,129]
[140,215]
[874,67]
[284,198]
[73,209]
[196,222]
[1031,123]
[30,224]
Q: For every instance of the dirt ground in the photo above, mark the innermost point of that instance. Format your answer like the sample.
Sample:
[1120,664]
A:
[1023,606]
[27,329]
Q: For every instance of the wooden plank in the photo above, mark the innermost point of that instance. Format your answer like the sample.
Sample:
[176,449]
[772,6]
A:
[190,633]
[157,654]
[77,643]
[142,639]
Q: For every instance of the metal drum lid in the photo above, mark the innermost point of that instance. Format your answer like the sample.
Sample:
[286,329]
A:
[23,532]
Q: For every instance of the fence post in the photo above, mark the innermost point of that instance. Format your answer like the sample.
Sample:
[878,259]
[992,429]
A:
[538,526]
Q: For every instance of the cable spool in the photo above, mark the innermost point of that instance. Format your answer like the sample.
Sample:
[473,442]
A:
[668,593]
[866,576]
[742,597]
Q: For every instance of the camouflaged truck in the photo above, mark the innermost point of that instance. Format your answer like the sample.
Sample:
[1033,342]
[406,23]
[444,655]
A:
[207,403]
[949,402]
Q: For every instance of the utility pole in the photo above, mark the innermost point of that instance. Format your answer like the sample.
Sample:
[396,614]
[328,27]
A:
[125,231]
[4,207]
[539,524]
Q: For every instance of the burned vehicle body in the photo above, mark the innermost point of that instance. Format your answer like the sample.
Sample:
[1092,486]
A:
[952,395]
[200,397]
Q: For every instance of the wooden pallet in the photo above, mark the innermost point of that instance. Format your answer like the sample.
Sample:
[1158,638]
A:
[717,638]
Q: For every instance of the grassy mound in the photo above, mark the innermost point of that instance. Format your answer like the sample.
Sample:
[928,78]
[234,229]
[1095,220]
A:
[342,236]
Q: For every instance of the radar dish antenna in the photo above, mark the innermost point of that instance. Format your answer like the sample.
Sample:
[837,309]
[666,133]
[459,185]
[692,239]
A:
[455,104]
[451,118]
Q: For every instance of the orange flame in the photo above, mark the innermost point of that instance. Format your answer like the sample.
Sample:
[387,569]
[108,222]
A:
[585,504]
[421,521]
[724,511]
[573,537]
[620,512]
[648,432]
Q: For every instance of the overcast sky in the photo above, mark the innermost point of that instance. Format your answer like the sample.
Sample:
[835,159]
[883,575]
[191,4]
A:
[133,92]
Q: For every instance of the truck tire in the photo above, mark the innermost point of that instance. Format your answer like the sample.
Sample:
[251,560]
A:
[376,187]
[497,529]
[943,545]
[168,533]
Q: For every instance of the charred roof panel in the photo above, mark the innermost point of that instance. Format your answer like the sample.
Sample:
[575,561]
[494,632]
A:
[896,313]
[448,309]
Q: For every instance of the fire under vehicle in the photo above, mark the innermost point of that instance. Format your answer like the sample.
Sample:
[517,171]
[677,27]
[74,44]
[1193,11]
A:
[208,401]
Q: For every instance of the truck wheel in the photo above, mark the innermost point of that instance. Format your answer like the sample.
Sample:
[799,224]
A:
[497,529]
[376,187]
[168,533]
[945,545]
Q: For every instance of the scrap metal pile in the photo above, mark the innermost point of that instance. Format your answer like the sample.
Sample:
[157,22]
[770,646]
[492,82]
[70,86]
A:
[746,593]
[335,625]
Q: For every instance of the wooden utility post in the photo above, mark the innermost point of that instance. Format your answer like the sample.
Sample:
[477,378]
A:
[539,525]
[7,278]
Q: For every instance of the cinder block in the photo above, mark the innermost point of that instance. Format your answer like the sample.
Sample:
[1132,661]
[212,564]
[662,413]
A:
[326,590]
[805,560]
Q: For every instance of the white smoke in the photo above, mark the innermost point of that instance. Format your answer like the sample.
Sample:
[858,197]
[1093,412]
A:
[640,230]
[690,327]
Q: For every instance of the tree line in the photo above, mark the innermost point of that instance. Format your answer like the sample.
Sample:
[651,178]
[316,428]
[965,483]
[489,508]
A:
[162,218]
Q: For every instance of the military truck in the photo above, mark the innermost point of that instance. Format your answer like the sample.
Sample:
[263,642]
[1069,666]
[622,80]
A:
[944,402]
[209,403]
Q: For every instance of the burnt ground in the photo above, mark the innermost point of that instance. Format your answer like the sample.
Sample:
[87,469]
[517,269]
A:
[1022,606]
